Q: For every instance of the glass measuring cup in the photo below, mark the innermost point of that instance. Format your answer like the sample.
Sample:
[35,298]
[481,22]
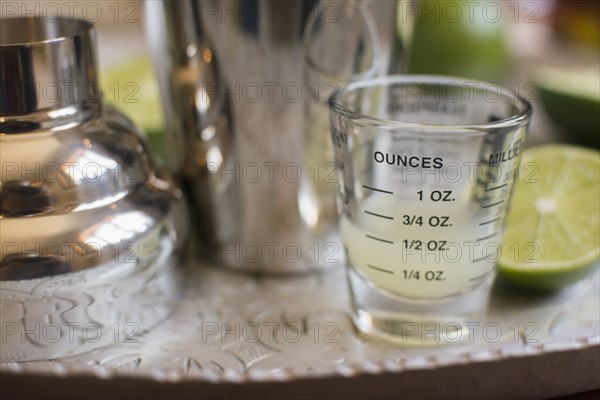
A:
[426,167]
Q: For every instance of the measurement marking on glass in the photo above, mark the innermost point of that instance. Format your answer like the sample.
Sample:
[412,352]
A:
[490,221]
[377,190]
[378,215]
[496,188]
[486,257]
[379,239]
[493,204]
[380,269]
[487,237]
[478,277]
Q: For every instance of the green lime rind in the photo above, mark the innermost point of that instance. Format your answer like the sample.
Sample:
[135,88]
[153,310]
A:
[547,279]
[579,116]
[571,98]
[552,236]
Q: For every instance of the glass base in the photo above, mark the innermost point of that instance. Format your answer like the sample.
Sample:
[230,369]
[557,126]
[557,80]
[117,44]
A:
[417,322]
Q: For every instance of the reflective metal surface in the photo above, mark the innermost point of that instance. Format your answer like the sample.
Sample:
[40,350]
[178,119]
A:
[232,75]
[90,230]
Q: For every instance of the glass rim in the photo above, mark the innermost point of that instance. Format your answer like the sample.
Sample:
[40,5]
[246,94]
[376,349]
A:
[336,105]
[368,73]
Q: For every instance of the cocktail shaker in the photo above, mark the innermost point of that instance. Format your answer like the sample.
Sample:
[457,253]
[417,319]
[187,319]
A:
[90,230]
[245,118]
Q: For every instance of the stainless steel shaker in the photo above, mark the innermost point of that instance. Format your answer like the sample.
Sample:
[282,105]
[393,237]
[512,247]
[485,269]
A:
[90,231]
[241,117]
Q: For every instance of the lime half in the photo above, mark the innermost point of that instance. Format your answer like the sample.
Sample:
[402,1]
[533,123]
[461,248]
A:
[571,98]
[552,233]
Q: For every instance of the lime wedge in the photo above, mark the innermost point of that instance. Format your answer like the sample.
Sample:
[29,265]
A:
[571,98]
[552,233]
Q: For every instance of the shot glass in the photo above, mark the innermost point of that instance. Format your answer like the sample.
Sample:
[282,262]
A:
[426,166]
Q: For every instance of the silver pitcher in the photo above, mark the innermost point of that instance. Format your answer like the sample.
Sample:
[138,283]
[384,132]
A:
[244,84]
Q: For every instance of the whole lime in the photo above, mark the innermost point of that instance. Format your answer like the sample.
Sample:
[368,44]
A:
[460,38]
[132,87]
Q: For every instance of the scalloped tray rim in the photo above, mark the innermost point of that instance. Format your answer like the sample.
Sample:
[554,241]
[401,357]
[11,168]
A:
[346,369]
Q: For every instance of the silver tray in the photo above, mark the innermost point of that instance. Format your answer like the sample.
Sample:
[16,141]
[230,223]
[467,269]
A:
[240,335]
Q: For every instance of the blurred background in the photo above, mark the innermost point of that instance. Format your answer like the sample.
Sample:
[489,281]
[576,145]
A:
[548,51]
